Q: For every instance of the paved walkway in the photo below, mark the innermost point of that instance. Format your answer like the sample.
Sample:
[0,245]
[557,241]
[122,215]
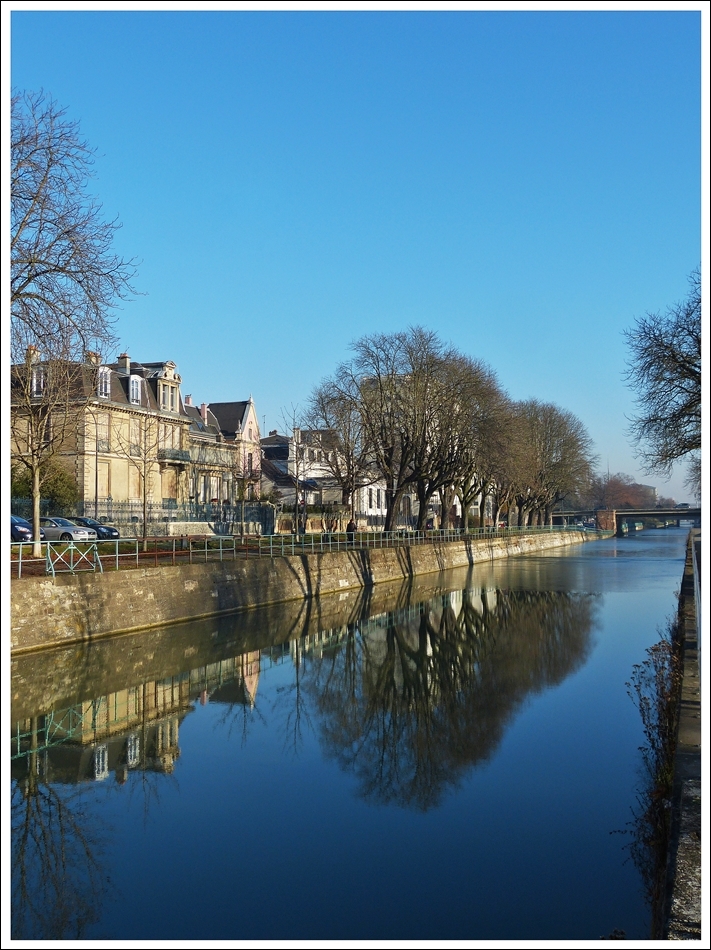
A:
[683,912]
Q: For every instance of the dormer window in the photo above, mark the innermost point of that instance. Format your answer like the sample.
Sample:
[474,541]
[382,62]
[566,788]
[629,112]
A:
[135,395]
[104,382]
[169,398]
[38,381]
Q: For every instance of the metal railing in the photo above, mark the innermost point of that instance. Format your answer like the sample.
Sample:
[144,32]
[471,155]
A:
[131,553]
[286,545]
[70,557]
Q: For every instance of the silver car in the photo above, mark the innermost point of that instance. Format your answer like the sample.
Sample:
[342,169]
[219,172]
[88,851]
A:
[61,529]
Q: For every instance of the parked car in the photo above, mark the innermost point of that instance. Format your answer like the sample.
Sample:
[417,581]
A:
[104,532]
[22,529]
[62,529]
[682,505]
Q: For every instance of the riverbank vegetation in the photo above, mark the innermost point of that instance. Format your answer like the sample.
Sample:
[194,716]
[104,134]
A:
[655,687]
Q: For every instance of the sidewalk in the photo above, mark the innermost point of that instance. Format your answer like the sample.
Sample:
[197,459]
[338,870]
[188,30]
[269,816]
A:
[683,905]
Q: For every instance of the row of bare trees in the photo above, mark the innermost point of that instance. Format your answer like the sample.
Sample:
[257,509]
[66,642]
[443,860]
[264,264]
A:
[428,420]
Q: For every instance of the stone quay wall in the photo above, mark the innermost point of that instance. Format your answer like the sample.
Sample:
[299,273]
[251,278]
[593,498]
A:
[48,612]
[682,910]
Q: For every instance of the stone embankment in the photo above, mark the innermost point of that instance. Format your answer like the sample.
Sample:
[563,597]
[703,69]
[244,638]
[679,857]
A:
[47,612]
[682,910]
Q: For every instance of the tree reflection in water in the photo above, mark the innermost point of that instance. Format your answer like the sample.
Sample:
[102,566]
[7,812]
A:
[413,699]
[57,881]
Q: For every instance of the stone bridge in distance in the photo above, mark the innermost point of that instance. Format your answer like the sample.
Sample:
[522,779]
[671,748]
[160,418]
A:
[608,519]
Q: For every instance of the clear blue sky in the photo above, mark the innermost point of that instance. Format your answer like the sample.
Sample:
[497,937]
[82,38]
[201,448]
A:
[523,183]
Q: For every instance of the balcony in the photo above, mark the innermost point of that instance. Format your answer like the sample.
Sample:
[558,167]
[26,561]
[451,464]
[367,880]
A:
[179,456]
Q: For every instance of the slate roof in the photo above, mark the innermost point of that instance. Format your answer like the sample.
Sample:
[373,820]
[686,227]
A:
[231,416]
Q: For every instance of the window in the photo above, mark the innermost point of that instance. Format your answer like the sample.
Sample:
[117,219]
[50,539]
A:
[370,497]
[102,432]
[173,398]
[37,381]
[164,397]
[249,463]
[101,762]
[133,748]
[135,391]
[378,497]
[104,384]
[134,437]
[47,431]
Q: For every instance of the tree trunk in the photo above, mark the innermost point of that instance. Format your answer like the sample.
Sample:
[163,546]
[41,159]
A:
[37,547]
[423,498]
[482,510]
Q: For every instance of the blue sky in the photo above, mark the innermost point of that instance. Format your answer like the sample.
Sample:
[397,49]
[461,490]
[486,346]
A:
[523,183]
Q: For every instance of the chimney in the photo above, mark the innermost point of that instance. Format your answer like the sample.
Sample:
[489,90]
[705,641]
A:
[124,364]
[203,412]
[93,357]
[33,354]
[188,400]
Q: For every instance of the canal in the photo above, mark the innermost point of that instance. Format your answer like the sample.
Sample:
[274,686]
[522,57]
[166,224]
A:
[456,758]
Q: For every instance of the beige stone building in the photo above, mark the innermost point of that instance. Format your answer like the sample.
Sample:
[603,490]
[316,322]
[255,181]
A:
[135,445]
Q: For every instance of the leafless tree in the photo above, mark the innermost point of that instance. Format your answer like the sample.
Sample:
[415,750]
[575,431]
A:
[294,420]
[664,370]
[46,396]
[557,459]
[484,436]
[400,380]
[65,278]
[334,406]
[139,444]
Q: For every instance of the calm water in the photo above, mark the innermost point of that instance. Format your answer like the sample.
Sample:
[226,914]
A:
[446,760]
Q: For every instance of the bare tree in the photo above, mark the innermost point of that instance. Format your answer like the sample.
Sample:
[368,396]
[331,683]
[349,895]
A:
[334,406]
[45,396]
[139,443]
[557,459]
[65,278]
[400,380]
[293,419]
[664,370]
[484,436]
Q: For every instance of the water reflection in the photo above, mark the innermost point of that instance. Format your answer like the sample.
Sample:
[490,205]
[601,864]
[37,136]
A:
[406,699]
[56,854]
[414,698]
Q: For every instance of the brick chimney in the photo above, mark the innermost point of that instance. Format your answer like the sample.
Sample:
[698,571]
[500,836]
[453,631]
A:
[124,364]
[188,400]
[203,412]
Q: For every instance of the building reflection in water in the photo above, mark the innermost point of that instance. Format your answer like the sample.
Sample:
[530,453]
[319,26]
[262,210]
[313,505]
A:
[407,700]
[133,728]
